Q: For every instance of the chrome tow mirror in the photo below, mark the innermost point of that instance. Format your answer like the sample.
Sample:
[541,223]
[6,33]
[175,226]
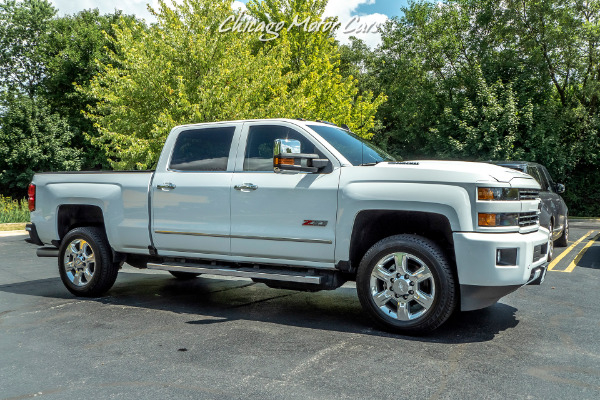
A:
[287,156]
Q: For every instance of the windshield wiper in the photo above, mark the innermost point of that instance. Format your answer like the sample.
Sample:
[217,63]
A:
[370,164]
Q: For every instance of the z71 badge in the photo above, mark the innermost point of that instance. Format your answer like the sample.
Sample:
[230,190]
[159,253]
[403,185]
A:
[312,222]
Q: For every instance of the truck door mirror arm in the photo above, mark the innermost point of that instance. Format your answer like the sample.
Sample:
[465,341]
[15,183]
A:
[287,157]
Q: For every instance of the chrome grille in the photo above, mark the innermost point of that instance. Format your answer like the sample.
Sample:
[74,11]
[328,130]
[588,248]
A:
[529,194]
[528,219]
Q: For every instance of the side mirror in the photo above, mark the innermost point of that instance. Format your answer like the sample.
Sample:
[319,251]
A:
[287,157]
[560,188]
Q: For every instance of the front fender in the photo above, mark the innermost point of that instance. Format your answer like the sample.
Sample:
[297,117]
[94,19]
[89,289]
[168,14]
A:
[451,201]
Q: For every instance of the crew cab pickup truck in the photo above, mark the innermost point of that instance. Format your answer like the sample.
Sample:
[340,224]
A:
[300,205]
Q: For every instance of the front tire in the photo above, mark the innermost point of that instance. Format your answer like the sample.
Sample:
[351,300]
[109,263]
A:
[85,262]
[550,243]
[563,240]
[406,285]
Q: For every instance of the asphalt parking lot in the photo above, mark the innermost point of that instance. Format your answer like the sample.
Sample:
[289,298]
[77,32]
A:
[212,338]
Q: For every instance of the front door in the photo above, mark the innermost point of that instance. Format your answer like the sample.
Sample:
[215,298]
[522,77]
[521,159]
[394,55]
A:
[278,217]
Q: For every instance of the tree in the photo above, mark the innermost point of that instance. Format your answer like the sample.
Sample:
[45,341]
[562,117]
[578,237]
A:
[484,80]
[184,69]
[24,30]
[32,139]
[76,46]
[314,60]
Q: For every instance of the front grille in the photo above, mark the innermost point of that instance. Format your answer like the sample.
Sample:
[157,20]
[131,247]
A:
[528,219]
[528,194]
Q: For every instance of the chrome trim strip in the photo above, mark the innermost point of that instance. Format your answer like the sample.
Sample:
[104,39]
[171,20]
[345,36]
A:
[245,273]
[283,239]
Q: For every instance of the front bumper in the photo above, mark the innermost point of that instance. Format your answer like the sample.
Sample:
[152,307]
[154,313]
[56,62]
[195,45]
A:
[482,280]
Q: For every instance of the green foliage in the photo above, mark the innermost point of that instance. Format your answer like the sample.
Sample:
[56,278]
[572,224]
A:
[183,70]
[32,139]
[75,45]
[314,60]
[12,210]
[24,30]
[484,80]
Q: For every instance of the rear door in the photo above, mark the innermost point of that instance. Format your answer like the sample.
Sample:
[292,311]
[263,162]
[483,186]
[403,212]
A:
[191,191]
[282,216]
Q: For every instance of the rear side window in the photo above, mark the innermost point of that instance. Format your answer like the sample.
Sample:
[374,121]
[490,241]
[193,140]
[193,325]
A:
[202,149]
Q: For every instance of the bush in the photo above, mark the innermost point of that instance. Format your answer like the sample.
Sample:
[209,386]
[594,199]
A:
[12,210]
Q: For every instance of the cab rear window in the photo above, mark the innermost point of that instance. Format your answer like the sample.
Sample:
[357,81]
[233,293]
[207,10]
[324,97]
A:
[204,149]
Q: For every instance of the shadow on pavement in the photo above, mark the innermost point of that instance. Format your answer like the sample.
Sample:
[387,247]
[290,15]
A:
[212,301]
[591,258]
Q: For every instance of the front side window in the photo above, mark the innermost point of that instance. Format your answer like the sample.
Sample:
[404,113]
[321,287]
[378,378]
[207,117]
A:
[205,149]
[259,147]
[538,176]
[551,183]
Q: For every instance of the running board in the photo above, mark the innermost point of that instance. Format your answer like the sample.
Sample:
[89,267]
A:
[266,274]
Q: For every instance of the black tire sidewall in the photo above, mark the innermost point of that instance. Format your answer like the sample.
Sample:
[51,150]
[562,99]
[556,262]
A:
[95,238]
[445,299]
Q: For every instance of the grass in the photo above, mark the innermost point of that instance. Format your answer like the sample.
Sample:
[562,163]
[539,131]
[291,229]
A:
[19,226]
[12,211]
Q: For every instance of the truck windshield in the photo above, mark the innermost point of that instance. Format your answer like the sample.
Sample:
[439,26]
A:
[357,151]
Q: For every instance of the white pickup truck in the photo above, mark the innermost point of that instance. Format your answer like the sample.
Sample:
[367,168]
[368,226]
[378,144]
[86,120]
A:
[300,205]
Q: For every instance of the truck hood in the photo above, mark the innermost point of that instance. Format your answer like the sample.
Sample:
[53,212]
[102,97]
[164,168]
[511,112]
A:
[461,171]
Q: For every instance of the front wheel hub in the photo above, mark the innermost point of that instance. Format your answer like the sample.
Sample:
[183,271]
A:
[413,292]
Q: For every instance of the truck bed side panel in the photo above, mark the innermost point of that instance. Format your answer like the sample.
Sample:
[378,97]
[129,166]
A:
[122,197]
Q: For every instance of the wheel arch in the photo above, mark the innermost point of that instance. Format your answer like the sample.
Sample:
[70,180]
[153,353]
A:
[371,226]
[71,216]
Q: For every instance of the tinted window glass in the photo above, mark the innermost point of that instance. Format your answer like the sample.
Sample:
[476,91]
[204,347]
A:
[551,183]
[259,148]
[202,149]
[533,171]
[356,150]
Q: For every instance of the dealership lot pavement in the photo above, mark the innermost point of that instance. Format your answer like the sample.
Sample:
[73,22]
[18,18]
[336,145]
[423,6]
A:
[212,338]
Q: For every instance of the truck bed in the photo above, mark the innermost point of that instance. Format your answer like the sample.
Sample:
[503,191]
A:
[121,195]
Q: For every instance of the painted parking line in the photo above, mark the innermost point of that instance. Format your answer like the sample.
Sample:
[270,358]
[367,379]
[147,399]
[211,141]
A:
[567,251]
[573,264]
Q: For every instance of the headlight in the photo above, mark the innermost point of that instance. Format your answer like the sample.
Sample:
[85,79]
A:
[497,193]
[493,220]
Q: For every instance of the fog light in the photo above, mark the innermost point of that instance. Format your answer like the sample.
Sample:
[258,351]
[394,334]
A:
[506,257]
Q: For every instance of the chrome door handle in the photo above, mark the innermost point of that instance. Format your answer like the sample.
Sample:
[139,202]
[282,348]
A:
[166,186]
[245,186]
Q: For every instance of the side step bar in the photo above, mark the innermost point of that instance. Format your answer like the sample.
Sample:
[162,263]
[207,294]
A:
[47,252]
[267,274]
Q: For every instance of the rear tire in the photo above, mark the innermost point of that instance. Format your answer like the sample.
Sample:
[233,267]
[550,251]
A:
[183,275]
[85,262]
[405,284]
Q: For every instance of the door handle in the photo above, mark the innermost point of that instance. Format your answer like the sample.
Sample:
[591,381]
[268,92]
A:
[166,186]
[245,187]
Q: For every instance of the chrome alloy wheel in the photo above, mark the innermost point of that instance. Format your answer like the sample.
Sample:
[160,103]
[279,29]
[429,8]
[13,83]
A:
[402,286]
[79,262]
